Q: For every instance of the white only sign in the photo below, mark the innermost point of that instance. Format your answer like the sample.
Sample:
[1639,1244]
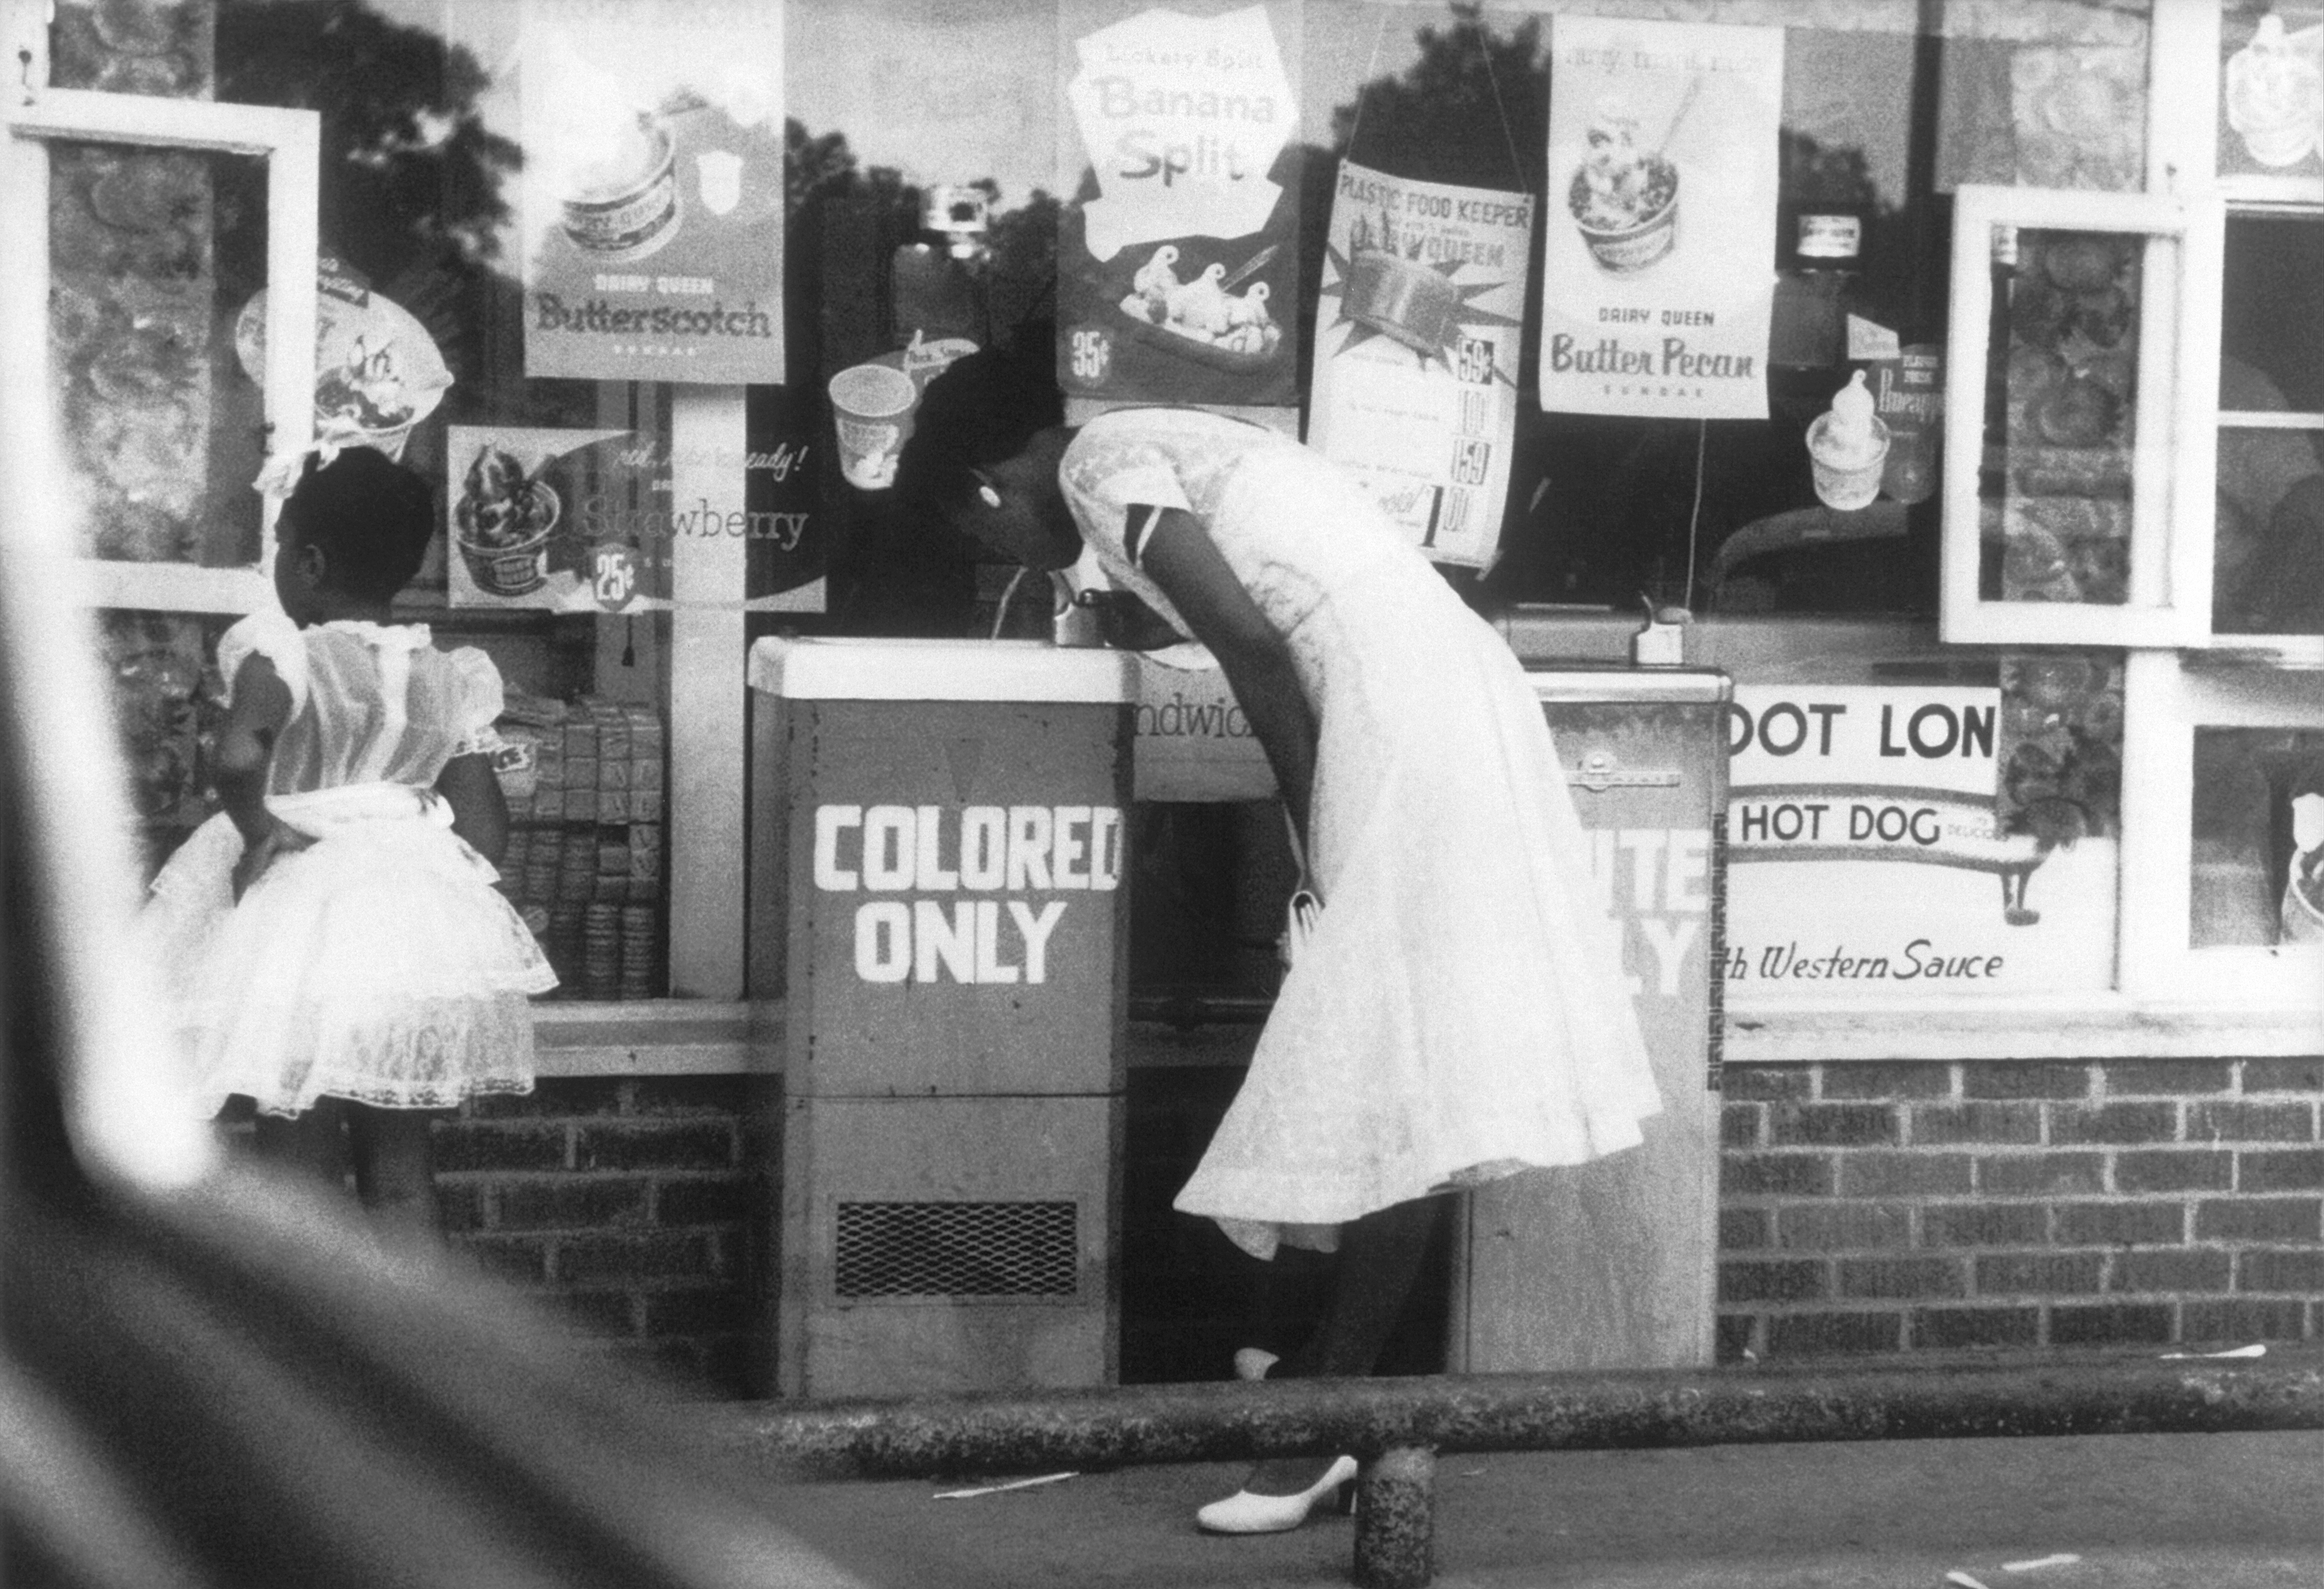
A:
[1181,117]
[1869,854]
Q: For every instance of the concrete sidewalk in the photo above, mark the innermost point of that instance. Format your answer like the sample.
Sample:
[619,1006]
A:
[2142,1512]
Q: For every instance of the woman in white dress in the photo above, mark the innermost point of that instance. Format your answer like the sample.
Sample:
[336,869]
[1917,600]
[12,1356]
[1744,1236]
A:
[1457,1013]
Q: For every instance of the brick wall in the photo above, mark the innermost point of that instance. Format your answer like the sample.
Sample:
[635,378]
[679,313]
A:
[1886,1207]
[621,1205]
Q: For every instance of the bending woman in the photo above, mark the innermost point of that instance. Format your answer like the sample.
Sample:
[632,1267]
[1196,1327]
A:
[1458,1013]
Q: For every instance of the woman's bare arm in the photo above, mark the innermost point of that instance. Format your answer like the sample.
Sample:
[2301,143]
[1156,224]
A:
[1180,557]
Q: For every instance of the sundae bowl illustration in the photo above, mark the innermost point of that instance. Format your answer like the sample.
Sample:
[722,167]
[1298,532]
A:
[1624,198]
[1848,446]
[2274,92]
[502,523]
[620,200]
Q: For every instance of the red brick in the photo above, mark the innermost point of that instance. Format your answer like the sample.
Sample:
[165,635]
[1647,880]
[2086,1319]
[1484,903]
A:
[496,1147]
[587,1259]
[1786,1280]
[1832,1226]
[462,1207]
[1941,1123]
[726,1311]
[687,1095]
[1743,1083]
[2166,1078]
[506,1257]
[721,1200]
[1742,1228]
[2171,1269]
[2260,1219]
[2246,1122]
[2007,1078]
[2039,1174]
[570,1202]
[555,1097]
[596,1313]
[2242,1318]
[1935,1328]
[1831,1125]
[2291,1169]
[2174,1169]
[2113,1123]
[2299,1075]
[1817,1334]
[1902,1174]
[1738,1334]
[1888,1080]
[1901,1278]
[1739,1125]
[2040,1274]
[2297,1270]
[1983,1225]
[694,1145]
[2120,1224]
[1798,1175]
[2114,1323]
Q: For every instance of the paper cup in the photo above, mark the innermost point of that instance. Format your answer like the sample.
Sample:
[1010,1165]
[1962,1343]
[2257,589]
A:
[516,569]
[873,405]
[1845,485]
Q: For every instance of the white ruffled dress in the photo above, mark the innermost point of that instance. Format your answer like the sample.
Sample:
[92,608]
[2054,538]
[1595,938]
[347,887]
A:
[377,964]
[1458,1013]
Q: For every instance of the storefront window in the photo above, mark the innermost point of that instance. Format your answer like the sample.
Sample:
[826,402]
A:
[2268,557]
[2256,867]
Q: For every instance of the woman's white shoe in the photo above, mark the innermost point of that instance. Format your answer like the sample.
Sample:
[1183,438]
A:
[1243,1512]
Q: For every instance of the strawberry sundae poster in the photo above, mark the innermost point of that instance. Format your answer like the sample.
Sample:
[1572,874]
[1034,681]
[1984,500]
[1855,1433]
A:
[653,190]
[1658,276]
[565,520]
[1417,325]
[1179,263]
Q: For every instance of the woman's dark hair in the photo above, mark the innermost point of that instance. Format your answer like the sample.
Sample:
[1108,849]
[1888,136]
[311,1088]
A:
[372,519]
[982,410]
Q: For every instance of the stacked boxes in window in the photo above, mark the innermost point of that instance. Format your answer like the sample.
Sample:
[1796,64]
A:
[584,781]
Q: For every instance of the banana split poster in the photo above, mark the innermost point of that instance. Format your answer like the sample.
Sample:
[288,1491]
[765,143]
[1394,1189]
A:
[1417,325]
[653,190]
[1659,224]
[1869,854]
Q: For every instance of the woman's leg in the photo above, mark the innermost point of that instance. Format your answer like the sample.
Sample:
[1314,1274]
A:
[395,1167]
[308,1143]
[1379,1256]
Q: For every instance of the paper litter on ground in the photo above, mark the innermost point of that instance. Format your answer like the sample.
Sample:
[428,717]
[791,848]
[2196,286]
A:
[997,1489]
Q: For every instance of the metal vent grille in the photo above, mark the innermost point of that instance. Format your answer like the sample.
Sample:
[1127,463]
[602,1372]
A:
[957,1250]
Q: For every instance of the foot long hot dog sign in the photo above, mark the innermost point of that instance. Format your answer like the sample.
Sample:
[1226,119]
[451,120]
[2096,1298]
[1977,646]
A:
[1869,852]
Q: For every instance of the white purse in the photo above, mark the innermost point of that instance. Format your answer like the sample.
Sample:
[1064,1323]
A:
[1305,908]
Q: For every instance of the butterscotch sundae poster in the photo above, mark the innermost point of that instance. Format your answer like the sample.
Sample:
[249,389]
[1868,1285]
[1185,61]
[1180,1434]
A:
[1178,265]
[1417,324]
[653,190]
[1659,224]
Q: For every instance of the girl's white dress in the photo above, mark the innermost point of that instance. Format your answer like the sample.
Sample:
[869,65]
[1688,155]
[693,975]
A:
[377,964]
[1458,1012]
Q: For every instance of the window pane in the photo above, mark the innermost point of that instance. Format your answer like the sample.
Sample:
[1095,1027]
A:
[2268,557]
[2062,385]
[2257,863]
[2271,333]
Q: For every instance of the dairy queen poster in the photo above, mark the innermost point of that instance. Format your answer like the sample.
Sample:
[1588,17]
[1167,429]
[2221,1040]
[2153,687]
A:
[1179,263]
[1417,324]
[1660,220]
[1867,855]
[653,190]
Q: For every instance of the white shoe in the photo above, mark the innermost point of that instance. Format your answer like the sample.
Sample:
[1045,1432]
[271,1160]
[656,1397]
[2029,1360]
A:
[1243,1512]
[1252,1363]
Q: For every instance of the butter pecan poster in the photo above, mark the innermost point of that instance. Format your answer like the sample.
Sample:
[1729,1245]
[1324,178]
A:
[1178,264]
[1660,220]
[1871,852]
[1416,330]
[653,190]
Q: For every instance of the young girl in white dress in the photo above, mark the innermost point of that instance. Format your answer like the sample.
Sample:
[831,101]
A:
[333,944]
[1458,1012]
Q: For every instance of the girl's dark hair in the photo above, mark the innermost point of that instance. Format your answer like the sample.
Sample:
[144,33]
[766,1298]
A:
[372,519]
[982,410]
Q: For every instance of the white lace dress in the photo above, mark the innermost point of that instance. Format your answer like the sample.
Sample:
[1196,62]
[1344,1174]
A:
[377,964]
[1459,1012]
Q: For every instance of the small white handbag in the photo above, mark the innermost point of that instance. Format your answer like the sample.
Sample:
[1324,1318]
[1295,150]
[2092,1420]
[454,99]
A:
[1305,908]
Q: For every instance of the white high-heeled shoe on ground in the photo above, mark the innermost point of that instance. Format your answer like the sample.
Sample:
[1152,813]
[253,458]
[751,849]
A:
[1251,1363]
[1243,1512]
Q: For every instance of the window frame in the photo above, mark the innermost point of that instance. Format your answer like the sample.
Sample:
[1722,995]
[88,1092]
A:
[289,141]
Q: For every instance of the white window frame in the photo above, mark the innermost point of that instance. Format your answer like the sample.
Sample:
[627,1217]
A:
[289,141]
[2170,557]
[2167,697]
